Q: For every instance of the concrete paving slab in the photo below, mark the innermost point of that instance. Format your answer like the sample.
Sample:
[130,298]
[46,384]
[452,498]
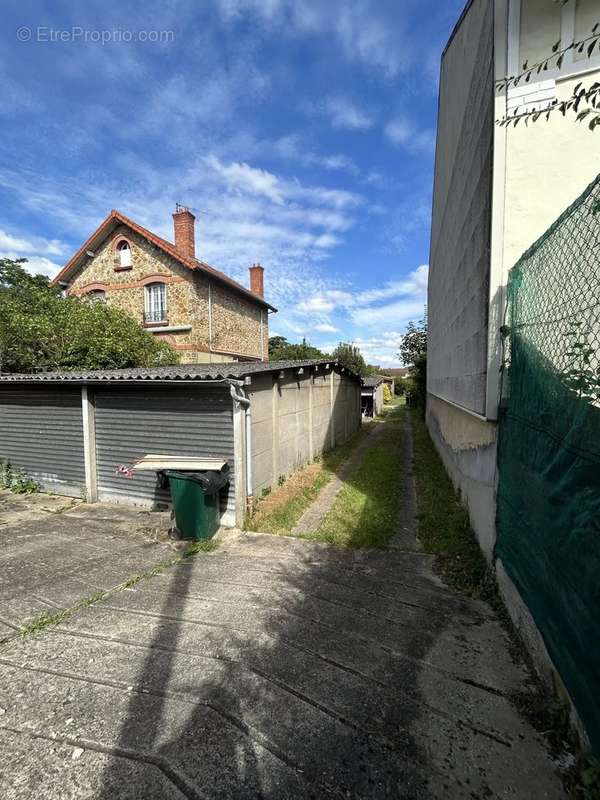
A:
[276,669]
[74,772]
[54,549]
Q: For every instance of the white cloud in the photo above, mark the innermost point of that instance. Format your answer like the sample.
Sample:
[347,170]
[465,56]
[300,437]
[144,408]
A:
[35,249]
[242,177]
[326,327]
[403,133]
[51,247]
[377,40]
[415,284]
[317,304]
[35,264]
[381,350]
[346,115]
[291,148]
[362,303]
[39,264]
[392,314]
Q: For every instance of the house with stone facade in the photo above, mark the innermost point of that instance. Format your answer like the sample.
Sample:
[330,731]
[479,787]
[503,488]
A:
[205,315]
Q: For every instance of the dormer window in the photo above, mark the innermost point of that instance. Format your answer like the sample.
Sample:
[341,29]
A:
[124,253]
[155,305]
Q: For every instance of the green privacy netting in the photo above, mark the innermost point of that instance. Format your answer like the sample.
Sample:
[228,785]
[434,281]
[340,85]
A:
[548,512]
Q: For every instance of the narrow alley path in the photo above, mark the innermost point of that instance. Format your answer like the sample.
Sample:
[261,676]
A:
[274,667]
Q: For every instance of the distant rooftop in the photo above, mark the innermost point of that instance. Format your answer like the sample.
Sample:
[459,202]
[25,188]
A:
[373,380]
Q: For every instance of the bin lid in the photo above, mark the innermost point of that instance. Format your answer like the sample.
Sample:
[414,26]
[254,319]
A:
[211,481]
[154,463]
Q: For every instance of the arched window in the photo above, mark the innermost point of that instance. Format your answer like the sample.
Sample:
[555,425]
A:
[97,296]
[155,303]
[124,252]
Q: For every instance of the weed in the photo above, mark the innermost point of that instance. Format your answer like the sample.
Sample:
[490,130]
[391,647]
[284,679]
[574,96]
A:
[589,776]
[445,531]
[43,621]
[4,474]
[16,480]
[266,491]
[443,522]
[21,483]
[283,507]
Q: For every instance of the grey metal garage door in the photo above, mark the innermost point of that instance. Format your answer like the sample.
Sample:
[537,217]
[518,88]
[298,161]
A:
[41,432]
[194,421]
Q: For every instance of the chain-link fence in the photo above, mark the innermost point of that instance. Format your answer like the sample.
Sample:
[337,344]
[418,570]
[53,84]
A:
[549,448]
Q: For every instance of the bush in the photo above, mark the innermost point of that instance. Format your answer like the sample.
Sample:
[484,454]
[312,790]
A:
[41,330]
[387,393]
[16,480]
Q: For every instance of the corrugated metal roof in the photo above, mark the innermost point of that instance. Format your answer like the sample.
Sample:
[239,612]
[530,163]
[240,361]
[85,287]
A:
[373,380]
[181,372]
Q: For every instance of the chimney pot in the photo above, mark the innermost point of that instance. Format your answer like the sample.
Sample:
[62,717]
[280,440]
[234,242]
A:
[184,232]
[257,286]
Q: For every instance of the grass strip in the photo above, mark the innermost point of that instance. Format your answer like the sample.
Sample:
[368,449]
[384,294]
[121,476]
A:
[443,523]
[445,531]
[43,621]
[280,509]
[365,511]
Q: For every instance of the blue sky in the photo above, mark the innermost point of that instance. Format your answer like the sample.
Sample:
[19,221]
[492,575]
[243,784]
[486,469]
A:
[303,129]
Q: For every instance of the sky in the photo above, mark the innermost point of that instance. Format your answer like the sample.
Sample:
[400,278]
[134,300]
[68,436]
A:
[301,132]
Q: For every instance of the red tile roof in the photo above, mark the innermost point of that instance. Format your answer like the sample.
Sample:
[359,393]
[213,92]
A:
[116,217]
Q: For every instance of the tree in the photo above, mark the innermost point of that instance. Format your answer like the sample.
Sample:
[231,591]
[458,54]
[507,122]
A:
[40,329]
[584,101]
[349,356]
[414,342]
[413,352]
[281,350]
[276,343]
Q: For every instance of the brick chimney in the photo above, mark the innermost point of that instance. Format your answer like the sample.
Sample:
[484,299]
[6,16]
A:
[183,226]
[257,285]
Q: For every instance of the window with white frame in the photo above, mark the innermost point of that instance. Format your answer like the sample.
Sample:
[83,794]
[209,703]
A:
[124,251]
[155,303]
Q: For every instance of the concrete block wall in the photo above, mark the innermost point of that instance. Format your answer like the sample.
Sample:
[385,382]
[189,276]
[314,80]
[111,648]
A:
[296,417]
[321,414]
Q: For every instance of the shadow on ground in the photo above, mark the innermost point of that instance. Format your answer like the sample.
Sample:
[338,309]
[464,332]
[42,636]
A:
[282,708]
[271,668]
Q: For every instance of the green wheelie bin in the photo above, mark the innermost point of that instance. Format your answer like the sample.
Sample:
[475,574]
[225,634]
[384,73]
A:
[195,497]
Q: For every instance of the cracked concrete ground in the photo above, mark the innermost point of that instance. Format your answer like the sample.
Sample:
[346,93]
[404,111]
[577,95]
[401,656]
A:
[273,668]
[56,550]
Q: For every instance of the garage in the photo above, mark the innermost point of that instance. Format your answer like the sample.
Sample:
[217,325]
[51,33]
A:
[79,433]
[372,395]
[178,421]
[41,433]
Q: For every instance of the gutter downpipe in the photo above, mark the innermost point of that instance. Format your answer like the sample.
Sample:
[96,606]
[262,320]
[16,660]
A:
[240,397]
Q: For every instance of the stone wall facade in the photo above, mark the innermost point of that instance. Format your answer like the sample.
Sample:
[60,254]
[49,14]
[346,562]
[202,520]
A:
[206,321]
